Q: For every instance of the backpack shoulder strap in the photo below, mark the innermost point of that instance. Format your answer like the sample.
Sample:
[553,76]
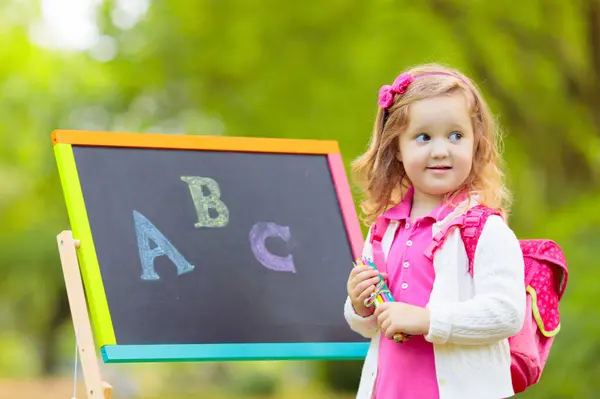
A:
[440,237]
[470,232]
[378,229]
[471,225]
[375,238]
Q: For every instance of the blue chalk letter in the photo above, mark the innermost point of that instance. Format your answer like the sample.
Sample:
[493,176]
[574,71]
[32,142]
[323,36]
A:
[146,231]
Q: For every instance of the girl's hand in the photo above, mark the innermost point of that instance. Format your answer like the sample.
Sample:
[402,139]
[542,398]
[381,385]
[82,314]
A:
[398,317]
[361,284]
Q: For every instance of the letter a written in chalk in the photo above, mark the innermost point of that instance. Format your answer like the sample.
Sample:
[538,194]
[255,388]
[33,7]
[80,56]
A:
[145,232]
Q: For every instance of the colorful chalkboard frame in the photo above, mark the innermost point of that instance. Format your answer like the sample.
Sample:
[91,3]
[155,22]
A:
[112,352]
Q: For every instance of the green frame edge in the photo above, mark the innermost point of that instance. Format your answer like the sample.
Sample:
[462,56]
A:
[235,351]
[86,253]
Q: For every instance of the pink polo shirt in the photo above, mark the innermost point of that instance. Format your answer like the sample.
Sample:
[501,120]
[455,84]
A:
[407,371]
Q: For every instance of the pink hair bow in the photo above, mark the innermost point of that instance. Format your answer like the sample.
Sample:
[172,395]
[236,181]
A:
[387,92]
[386,97]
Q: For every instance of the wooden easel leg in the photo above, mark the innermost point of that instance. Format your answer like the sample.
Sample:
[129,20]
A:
[96,388]
[107,390]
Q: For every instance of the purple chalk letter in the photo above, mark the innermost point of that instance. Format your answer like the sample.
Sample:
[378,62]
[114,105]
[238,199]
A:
[259,234]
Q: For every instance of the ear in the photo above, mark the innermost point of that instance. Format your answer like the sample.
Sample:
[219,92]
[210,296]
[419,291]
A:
[399,156]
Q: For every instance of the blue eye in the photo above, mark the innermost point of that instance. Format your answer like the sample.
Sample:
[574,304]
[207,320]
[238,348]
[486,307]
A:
[422,137]
[455,136]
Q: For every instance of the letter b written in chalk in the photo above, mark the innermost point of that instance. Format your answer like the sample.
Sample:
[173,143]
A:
[205,202]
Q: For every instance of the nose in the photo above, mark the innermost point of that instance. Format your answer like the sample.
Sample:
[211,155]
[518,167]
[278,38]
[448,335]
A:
[439,149]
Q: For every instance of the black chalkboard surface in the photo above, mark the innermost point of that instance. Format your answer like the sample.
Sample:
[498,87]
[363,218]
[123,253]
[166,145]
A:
[215,248]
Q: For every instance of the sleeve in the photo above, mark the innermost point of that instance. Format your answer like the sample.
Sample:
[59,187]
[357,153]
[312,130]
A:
[497,310]
[365,326]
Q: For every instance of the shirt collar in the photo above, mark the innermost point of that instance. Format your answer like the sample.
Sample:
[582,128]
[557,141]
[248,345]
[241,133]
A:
[402,210]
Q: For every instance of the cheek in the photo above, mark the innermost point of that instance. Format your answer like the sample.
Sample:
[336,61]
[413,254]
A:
[414,157]
[414,166]
[464,158]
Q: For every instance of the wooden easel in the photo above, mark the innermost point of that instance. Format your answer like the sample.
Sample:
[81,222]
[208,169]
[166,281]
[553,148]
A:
[96,388]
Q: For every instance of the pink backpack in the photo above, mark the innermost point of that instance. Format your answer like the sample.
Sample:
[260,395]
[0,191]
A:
[546,277]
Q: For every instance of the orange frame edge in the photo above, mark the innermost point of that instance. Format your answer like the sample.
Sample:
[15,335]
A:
[194,142]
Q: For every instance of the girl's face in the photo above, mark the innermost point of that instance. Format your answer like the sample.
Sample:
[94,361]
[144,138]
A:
[437,147]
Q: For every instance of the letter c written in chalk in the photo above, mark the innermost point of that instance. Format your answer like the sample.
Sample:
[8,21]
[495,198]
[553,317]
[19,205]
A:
[259,234]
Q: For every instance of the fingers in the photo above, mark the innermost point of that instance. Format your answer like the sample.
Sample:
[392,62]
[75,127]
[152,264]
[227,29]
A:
[357,275]
[367,283]
[381,317]
[360,274]
[360,269]
[385,323]
[362,296]
[389,332]
[385,327]
[361,280]
[381,308]
[366,288]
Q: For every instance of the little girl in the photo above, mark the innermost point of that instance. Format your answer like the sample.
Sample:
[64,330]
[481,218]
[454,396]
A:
[433,155]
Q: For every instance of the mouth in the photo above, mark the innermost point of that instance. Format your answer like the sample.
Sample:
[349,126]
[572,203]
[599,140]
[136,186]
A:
[439,169]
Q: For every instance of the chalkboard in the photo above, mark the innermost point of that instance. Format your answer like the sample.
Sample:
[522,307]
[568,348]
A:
[211,248]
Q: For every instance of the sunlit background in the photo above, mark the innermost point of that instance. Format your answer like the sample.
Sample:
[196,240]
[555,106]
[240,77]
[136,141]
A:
[284,69]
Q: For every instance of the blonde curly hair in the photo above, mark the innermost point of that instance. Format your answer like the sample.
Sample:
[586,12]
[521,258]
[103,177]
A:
[382,178]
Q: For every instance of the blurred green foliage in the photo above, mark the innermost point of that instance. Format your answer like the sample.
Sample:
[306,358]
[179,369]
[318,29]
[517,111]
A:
[302,70]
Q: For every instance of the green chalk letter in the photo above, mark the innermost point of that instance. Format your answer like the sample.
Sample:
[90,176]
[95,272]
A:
[204,202]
